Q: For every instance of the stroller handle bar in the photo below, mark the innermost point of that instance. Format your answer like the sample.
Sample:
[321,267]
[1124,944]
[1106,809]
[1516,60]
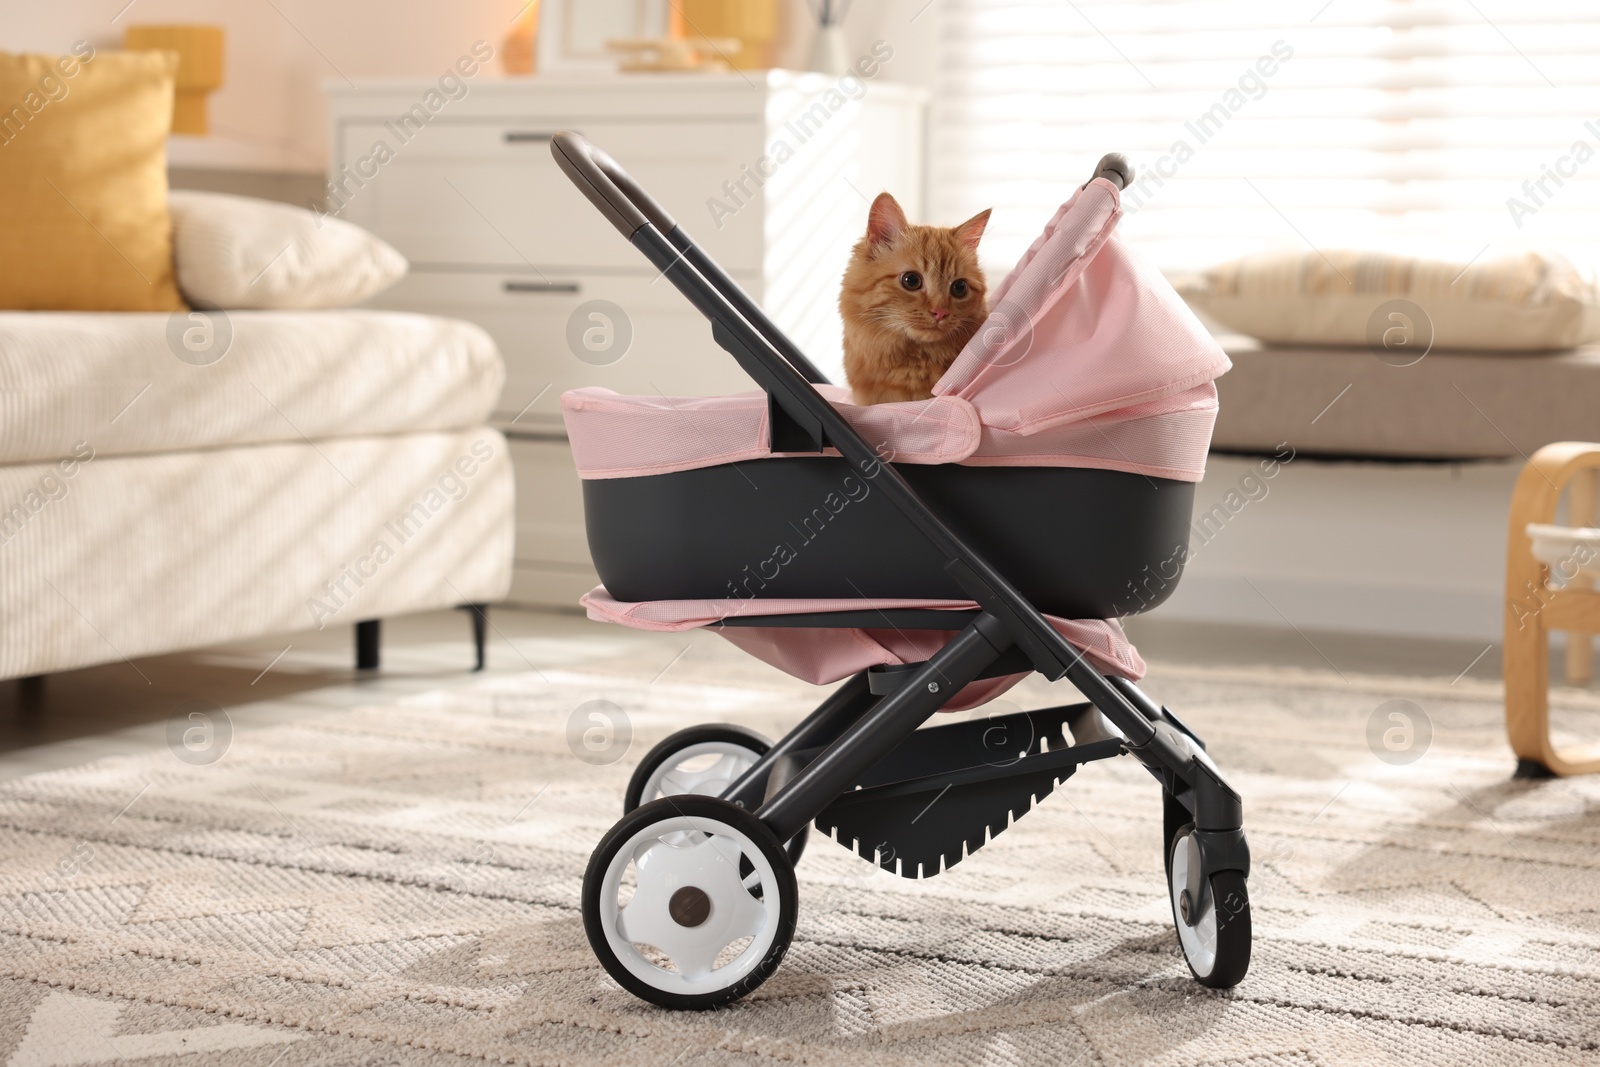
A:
[620,199]
[628,207]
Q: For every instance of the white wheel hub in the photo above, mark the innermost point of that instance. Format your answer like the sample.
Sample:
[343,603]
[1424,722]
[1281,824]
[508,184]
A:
[1197,931]
[690,904]
[708,768]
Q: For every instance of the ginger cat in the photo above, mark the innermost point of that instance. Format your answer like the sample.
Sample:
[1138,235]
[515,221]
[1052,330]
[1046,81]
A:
[912,298]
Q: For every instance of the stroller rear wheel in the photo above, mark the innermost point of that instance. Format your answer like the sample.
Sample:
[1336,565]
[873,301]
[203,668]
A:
[703,760]
[1213,923]
[690,902]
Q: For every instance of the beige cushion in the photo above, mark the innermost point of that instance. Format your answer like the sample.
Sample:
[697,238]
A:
[1525,302]
[126,383]
[238,252]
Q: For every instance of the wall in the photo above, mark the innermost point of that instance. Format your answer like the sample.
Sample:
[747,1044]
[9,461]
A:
[910,27]
[1414,549]
[271,114]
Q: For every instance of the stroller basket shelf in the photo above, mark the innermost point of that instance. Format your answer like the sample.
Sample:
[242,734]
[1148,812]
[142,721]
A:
[946,791]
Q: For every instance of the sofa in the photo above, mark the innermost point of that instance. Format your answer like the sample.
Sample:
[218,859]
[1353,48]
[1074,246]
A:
[1371,433]
[1400,357]
[175,480]
[1459,406]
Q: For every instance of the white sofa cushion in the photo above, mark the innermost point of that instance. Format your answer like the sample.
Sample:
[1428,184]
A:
[115,380]
[239,252]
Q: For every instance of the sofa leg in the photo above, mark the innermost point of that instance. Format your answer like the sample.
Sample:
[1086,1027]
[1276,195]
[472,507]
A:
[1532,768]
[367,635]
[30,697]
[480,629]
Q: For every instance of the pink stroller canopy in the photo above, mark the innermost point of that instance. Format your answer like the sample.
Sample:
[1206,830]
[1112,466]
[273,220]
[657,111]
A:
[1088,359]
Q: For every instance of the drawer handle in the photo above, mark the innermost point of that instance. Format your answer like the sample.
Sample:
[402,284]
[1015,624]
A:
[526,137]
[512,286]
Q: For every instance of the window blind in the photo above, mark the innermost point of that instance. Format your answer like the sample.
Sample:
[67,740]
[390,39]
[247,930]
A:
[1459,128]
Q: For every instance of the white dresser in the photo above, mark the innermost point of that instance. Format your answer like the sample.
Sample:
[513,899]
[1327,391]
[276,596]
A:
[771,172]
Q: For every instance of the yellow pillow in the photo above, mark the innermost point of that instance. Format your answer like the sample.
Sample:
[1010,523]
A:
[83,181]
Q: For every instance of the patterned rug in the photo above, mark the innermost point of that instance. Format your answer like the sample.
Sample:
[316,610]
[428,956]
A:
[399,885]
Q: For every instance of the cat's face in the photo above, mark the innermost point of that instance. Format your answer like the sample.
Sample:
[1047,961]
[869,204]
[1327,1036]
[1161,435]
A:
[919,281]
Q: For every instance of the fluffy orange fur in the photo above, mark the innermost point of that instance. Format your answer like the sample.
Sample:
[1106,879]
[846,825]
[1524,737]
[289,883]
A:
[912,298]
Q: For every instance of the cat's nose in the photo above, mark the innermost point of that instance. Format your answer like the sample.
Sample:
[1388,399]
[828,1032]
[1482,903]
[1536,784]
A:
[939,313]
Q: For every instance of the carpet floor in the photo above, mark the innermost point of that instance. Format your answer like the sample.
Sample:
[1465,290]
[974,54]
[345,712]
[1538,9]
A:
[399,884]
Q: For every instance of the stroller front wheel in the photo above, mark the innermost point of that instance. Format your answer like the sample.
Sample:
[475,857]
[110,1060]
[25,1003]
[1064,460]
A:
[703,760]
[1214,923]
[689,902]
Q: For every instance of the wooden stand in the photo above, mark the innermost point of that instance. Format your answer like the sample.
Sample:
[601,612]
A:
[1532,609]
[1581,512]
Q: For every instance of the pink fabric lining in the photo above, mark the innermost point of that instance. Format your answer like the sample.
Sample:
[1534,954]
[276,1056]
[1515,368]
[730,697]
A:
[1081,327]
[616,436]
[1088,359]
[1163,438]
[824,655]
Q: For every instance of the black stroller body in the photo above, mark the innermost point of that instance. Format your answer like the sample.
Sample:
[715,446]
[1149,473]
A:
[1065,566]
[690,901]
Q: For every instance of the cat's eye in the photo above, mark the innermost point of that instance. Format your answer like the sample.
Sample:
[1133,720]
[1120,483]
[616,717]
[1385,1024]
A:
[911,280]
[958,288]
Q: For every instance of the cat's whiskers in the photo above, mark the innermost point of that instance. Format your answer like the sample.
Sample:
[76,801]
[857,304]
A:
[888,319]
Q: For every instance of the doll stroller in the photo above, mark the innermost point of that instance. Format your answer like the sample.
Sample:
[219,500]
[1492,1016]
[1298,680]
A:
[930,555]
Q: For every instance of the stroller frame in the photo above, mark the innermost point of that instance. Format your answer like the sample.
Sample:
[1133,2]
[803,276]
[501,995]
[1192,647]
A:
[858,766]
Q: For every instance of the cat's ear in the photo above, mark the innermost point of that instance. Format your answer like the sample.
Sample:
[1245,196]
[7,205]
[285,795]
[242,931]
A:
[971,231]
[885,221]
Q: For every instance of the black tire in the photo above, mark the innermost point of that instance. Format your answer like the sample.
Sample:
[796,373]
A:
[715,732]
[694,806]
[723,732]
[1175,819]
[1230,898]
